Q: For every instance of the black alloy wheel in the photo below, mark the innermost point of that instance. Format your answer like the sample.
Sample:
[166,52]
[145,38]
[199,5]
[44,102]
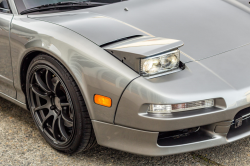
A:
[57,106]
[51,105]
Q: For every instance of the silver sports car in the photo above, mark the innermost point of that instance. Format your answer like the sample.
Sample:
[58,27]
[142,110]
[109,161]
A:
[151,77]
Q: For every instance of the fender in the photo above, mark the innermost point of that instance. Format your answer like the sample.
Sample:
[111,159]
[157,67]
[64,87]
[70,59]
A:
[87,62]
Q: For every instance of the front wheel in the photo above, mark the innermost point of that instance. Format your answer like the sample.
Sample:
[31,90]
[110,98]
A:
[57,106]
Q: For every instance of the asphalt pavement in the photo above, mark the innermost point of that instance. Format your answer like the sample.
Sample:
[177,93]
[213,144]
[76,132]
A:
[22,144]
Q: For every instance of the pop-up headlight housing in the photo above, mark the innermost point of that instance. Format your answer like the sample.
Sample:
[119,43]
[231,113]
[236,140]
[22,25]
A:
[148,56]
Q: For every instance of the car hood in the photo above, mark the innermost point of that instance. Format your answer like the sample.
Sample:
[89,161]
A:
[207,28]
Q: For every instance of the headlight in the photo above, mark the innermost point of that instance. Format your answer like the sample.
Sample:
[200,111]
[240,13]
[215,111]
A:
[152,66]
[162,109]
[160,63]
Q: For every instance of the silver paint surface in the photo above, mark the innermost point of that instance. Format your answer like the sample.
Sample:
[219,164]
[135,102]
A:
[92,72]
[95,27]
[206,28]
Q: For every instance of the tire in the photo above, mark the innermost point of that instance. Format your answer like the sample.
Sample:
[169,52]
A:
[57,106]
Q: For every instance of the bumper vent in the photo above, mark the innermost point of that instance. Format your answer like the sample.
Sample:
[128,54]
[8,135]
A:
[240,124]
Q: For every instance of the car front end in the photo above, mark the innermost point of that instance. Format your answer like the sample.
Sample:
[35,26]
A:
[204,105]
[174,85]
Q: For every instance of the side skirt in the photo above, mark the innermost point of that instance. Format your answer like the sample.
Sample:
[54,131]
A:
[23,105]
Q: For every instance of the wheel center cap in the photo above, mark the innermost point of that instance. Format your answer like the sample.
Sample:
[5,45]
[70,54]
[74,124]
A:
[58,103]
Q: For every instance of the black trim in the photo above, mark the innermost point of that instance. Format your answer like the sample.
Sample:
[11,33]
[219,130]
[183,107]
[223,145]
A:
[119,40]
[21,7]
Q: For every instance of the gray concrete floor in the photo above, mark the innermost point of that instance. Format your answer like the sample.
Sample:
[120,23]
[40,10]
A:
[22,144]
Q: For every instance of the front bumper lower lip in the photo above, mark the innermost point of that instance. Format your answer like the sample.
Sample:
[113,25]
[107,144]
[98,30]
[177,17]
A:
[147,143]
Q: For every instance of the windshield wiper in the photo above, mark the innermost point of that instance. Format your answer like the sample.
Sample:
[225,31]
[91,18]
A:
[63,5]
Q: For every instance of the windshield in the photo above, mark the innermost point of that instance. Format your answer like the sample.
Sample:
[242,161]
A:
[27,4]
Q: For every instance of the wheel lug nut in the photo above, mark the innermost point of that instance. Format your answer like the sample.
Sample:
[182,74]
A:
[53,107]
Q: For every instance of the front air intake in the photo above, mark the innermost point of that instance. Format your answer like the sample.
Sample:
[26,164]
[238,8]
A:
[181,137]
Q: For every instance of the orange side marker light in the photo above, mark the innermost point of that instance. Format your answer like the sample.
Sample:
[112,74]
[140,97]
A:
[103,100]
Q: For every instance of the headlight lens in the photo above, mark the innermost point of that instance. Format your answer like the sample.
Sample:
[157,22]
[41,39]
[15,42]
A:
[163,109]
[151,66]
[160,63]
[169,62]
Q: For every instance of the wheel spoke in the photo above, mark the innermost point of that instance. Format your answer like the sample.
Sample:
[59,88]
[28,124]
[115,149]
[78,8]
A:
[67,120]
[55,82]
[48,80]
[49,135]
[46,119]
[38,91]
[42,107]
[61,128]
[38,103]
[40,82]
[54,127]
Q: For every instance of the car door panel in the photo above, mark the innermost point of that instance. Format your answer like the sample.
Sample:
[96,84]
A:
[6,77]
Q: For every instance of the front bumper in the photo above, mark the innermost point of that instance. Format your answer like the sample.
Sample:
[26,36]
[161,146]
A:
[148,143]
